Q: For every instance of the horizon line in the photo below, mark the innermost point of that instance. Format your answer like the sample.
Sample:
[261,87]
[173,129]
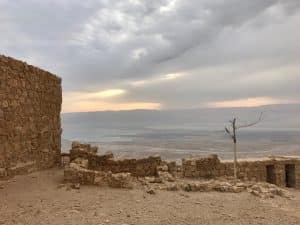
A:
[180,109]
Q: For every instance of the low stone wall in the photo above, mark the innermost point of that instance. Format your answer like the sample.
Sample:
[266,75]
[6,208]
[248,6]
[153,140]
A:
[88,167]
[206,167]
[107,162]
[253,170]
[137,167]
[76,174]
[247,170]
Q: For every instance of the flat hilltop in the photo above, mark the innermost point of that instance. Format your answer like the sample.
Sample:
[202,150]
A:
[39,198]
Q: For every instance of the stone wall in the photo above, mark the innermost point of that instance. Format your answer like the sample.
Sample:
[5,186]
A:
[252,170]
[87,167]
[206,167]
[107,162]
[249,170]
[30,105]
[256,170]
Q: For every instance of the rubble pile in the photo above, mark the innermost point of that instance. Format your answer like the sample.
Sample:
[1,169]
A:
[262,190]
[266,190]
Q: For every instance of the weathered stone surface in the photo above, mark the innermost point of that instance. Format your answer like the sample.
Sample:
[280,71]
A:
[30,129]
[85,151]
[107,162]
[76,174]
[87,167]
[266,190]
[151,191]
[84,163]
[120,180]
[172,167]
[166,176]
[206,167]
[157,180]
[172,187]
[248,170]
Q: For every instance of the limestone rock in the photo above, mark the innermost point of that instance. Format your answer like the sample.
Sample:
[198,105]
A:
[84,163]
[166,176]
[172,187]
[157,180]
[120,180]
[151,191]
[75,186]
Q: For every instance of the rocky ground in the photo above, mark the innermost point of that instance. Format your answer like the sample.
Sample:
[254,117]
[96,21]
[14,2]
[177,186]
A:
[40,199]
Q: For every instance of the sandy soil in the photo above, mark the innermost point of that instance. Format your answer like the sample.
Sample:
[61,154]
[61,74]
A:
[35,199]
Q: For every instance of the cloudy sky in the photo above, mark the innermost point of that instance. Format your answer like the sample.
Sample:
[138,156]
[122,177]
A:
[159,54]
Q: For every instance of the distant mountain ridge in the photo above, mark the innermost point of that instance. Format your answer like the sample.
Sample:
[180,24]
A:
[275,116]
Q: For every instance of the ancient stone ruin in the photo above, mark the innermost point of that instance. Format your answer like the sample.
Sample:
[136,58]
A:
[30,129]
[87,167]
[195,174]
[282,171]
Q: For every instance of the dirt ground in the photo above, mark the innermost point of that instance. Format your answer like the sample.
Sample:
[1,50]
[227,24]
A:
[35,199]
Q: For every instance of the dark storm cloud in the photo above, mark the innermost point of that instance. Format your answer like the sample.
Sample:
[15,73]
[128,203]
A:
[224,49]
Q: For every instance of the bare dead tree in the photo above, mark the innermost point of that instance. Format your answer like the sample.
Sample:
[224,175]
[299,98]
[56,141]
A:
[232,131]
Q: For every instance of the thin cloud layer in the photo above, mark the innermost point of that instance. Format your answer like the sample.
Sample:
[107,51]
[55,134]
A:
[159,54]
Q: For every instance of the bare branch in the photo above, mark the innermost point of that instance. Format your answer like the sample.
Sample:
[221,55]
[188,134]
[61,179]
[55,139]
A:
[251,124]
[229,132]
[232,131]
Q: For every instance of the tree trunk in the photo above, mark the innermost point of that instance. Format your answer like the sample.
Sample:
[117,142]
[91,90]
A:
[235,161]
[234,138]
[234,149]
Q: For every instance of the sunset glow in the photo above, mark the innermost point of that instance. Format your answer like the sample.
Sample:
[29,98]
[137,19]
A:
[248,102]
[156,80]
[109,93]
[89,106]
